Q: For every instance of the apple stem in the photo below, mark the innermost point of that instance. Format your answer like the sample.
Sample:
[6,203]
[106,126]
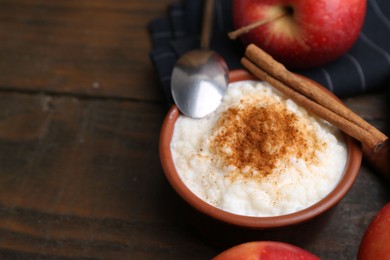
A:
[245,29]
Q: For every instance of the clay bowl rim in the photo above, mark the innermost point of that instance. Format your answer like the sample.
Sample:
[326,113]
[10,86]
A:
[338,193]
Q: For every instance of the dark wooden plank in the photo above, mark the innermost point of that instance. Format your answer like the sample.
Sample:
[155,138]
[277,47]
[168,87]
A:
[82,177]
[97,48]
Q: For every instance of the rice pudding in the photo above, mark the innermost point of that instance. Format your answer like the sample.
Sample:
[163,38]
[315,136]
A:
[259,154]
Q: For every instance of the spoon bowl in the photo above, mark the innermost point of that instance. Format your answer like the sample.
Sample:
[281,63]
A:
[199,82]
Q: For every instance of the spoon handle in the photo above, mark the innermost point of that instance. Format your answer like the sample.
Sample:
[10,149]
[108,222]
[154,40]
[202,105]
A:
[207,23]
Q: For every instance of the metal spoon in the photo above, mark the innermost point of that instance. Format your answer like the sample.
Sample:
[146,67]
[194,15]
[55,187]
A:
[200,77]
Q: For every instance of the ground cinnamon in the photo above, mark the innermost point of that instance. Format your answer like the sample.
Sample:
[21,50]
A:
[312,97]
[255,138]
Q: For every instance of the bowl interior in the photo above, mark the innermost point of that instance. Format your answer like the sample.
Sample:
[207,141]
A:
[346,182]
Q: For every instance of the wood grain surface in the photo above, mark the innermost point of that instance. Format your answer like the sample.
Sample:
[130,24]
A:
[80,115]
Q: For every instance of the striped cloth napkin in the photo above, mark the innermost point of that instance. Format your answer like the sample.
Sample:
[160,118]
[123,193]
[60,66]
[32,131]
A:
[364,68]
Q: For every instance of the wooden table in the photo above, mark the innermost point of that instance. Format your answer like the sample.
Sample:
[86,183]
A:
[80,115]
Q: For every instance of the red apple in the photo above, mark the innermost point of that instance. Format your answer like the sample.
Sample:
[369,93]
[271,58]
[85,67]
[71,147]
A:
[376,240]
[265,250]
[311,32]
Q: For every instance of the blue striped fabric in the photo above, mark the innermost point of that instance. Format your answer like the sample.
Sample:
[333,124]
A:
[364,68]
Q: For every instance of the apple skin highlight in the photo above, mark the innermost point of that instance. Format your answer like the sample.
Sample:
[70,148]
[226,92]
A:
[311,34]
[265,250]
[376,240]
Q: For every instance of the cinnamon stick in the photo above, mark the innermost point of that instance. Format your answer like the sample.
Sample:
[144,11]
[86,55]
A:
[372,139]
[305,87]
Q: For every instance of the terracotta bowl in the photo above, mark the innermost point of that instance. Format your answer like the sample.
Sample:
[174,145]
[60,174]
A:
[249,222]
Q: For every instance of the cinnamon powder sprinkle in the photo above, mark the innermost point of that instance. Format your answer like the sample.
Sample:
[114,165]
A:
[255,138]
